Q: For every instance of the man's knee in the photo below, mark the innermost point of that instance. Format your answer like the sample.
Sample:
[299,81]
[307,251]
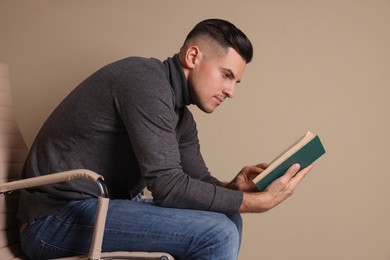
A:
[220,238]
[228,230]
[222,231]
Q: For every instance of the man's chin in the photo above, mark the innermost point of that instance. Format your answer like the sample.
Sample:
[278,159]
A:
[207,110]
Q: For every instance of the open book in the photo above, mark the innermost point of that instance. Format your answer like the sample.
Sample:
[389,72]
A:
[304,151]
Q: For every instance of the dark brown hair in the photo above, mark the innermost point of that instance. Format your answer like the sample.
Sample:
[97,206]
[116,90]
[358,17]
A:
[225,34]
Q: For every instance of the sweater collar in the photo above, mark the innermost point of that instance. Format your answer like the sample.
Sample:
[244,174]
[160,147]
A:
[178,81]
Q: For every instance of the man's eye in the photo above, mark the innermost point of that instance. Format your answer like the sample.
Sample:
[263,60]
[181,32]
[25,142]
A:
[226,75]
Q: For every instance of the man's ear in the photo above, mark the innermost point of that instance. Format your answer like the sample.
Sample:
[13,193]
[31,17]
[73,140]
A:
[192,56]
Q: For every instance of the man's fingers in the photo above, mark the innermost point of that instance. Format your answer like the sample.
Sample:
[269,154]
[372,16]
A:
[252,171]
[292,171]
[300,175]
[262,165]
[296,179]
[291,178]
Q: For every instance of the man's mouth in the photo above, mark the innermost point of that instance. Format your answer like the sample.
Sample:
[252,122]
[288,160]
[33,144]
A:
[220,99]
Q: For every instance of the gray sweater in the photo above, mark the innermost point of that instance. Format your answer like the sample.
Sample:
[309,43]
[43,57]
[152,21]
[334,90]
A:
[129,122]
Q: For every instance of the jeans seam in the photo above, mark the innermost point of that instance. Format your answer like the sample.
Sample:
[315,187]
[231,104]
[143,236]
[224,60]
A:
[168,235]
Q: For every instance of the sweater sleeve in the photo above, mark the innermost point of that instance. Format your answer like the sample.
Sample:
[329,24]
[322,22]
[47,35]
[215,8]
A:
[193,164]
[146,105]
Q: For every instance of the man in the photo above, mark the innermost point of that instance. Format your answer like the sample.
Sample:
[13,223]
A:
[129,122]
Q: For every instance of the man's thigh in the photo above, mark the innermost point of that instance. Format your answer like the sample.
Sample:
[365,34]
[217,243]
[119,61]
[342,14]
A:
[136,226]
[142,226]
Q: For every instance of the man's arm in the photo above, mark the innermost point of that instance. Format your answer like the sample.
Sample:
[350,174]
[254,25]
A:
[173,170]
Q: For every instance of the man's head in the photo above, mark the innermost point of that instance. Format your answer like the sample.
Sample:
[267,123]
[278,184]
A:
[224,34]
[213,57]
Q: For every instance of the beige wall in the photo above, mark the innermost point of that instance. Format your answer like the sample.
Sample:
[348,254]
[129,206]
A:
[319,65]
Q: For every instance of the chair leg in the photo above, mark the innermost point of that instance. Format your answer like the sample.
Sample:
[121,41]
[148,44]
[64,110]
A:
[98,232]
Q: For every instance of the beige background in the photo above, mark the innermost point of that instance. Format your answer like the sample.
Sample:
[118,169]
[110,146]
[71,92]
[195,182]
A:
[319,65]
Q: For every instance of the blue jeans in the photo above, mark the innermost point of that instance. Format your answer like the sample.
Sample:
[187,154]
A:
[134,225]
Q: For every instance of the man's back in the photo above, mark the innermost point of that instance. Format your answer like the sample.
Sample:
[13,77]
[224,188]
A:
[87,131]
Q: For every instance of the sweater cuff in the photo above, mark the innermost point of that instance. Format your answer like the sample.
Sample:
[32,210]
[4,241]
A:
[227,201]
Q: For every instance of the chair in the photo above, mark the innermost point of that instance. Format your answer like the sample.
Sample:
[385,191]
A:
[13,152]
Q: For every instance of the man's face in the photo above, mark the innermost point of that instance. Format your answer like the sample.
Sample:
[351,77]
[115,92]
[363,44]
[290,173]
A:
[214,78]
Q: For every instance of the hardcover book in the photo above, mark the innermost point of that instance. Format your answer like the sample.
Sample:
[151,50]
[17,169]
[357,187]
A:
[304,151]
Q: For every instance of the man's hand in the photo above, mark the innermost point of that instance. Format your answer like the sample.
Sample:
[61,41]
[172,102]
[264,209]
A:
[274,194]
[244,179]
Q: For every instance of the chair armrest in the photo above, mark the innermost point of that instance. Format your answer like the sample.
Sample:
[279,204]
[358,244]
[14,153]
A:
[55,178]
[98,233]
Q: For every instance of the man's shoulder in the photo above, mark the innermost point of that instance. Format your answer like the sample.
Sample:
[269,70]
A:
[137,62]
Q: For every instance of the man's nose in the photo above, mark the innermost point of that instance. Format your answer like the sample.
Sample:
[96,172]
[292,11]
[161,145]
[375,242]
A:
[229,90]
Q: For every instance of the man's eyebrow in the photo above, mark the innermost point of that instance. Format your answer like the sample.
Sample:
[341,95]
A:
[230,73]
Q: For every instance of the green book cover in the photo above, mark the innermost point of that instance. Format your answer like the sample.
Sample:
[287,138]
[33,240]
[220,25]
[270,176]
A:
[305,156]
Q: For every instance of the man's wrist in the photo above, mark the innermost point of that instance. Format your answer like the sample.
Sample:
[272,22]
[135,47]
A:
[253,202]
[224,184]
